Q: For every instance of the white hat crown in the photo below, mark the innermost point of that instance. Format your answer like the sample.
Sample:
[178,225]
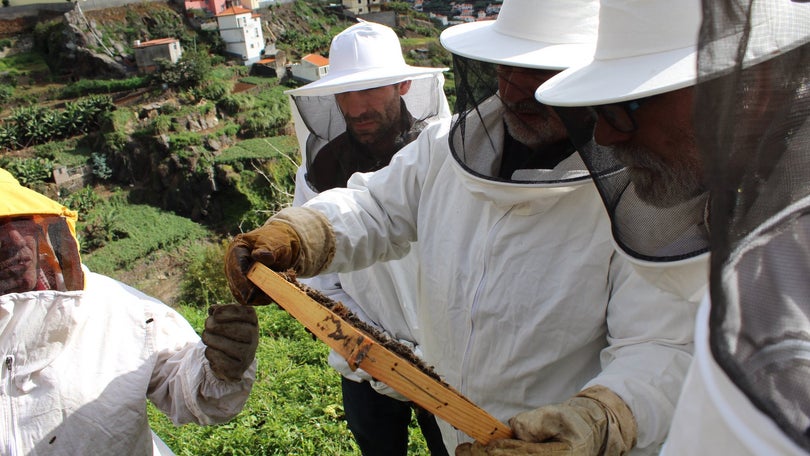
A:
[631,28]
[644,48]
[364,56]
[546,34]
[365,46]
[549,21]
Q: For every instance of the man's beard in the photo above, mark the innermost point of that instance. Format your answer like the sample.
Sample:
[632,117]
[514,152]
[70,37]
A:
[656,182]
[367,137]
[531,124]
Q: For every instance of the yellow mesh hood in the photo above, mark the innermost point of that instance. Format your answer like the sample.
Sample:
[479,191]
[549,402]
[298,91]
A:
[19,201]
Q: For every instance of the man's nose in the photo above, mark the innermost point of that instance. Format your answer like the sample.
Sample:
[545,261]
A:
[516,90]
[605,135]
[354,104]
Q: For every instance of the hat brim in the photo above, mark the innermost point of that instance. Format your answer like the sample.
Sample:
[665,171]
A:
[481,41]
[615,80]
[348,81]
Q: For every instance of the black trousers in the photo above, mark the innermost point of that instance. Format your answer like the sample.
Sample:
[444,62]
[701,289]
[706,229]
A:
[380,423]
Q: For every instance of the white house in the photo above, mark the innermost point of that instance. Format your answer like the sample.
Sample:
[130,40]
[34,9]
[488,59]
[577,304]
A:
[360,7]
[311,68]
[147,53]
[241,30]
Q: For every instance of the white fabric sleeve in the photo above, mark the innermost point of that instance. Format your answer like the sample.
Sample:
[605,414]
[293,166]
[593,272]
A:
[328,283]
[650,337]
[183,385]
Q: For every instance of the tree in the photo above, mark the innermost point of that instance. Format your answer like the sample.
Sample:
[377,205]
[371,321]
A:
[190,71]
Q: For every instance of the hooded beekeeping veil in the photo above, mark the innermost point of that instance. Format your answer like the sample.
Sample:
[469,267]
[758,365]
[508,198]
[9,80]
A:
[366,55]
[753,125]
[531,34]
[38,246]
[644,49]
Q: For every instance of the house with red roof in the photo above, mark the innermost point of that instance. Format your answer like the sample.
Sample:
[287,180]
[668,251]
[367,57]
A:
[241,30]
[311,68]
[147,53]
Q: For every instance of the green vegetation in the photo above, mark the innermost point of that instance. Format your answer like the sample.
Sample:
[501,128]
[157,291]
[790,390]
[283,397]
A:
[322,28]
[189,72]
[31,125]
[23,64]
[68,152]
[29,171]
[131,232]
[87,86]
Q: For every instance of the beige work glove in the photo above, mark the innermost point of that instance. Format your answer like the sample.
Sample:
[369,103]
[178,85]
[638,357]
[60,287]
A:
[594,422]
[231,335]
[296,238]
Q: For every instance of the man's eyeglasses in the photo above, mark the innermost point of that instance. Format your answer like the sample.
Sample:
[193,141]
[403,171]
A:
[620,115]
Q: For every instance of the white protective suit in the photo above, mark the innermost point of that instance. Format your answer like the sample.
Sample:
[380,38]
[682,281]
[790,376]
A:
[78,367]
[523,301]
[389,282]
[714,417]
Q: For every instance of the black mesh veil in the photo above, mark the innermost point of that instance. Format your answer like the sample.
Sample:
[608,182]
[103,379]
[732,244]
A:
[753,130]
[486,132]
[321,116]
[642,230]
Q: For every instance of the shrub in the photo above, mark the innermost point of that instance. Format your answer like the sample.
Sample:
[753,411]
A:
[233,104]
[83,200]
[6,92]
[190,71]
[101,229]
[215,90]
[162,125]
[204,283]
[102,86]
[30,170]
[183,141]
[8,137]
[100,167]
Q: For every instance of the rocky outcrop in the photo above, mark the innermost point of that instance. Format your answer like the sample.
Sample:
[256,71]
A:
[83,53]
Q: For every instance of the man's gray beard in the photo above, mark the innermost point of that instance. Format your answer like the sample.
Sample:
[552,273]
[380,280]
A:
[531,135]
[656,182]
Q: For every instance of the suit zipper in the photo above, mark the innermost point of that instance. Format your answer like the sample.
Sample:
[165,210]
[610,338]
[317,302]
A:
[8,419]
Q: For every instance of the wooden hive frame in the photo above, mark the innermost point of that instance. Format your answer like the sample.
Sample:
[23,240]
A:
[362,349]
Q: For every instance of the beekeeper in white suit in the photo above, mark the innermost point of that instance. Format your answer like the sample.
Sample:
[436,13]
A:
[524,305]
[747,392]
[745,142]
[82,353]
[368,106]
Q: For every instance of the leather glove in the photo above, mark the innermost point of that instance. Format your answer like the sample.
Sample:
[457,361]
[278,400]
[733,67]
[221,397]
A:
[295,238]
[594,422]
[275,245]
[231,335]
